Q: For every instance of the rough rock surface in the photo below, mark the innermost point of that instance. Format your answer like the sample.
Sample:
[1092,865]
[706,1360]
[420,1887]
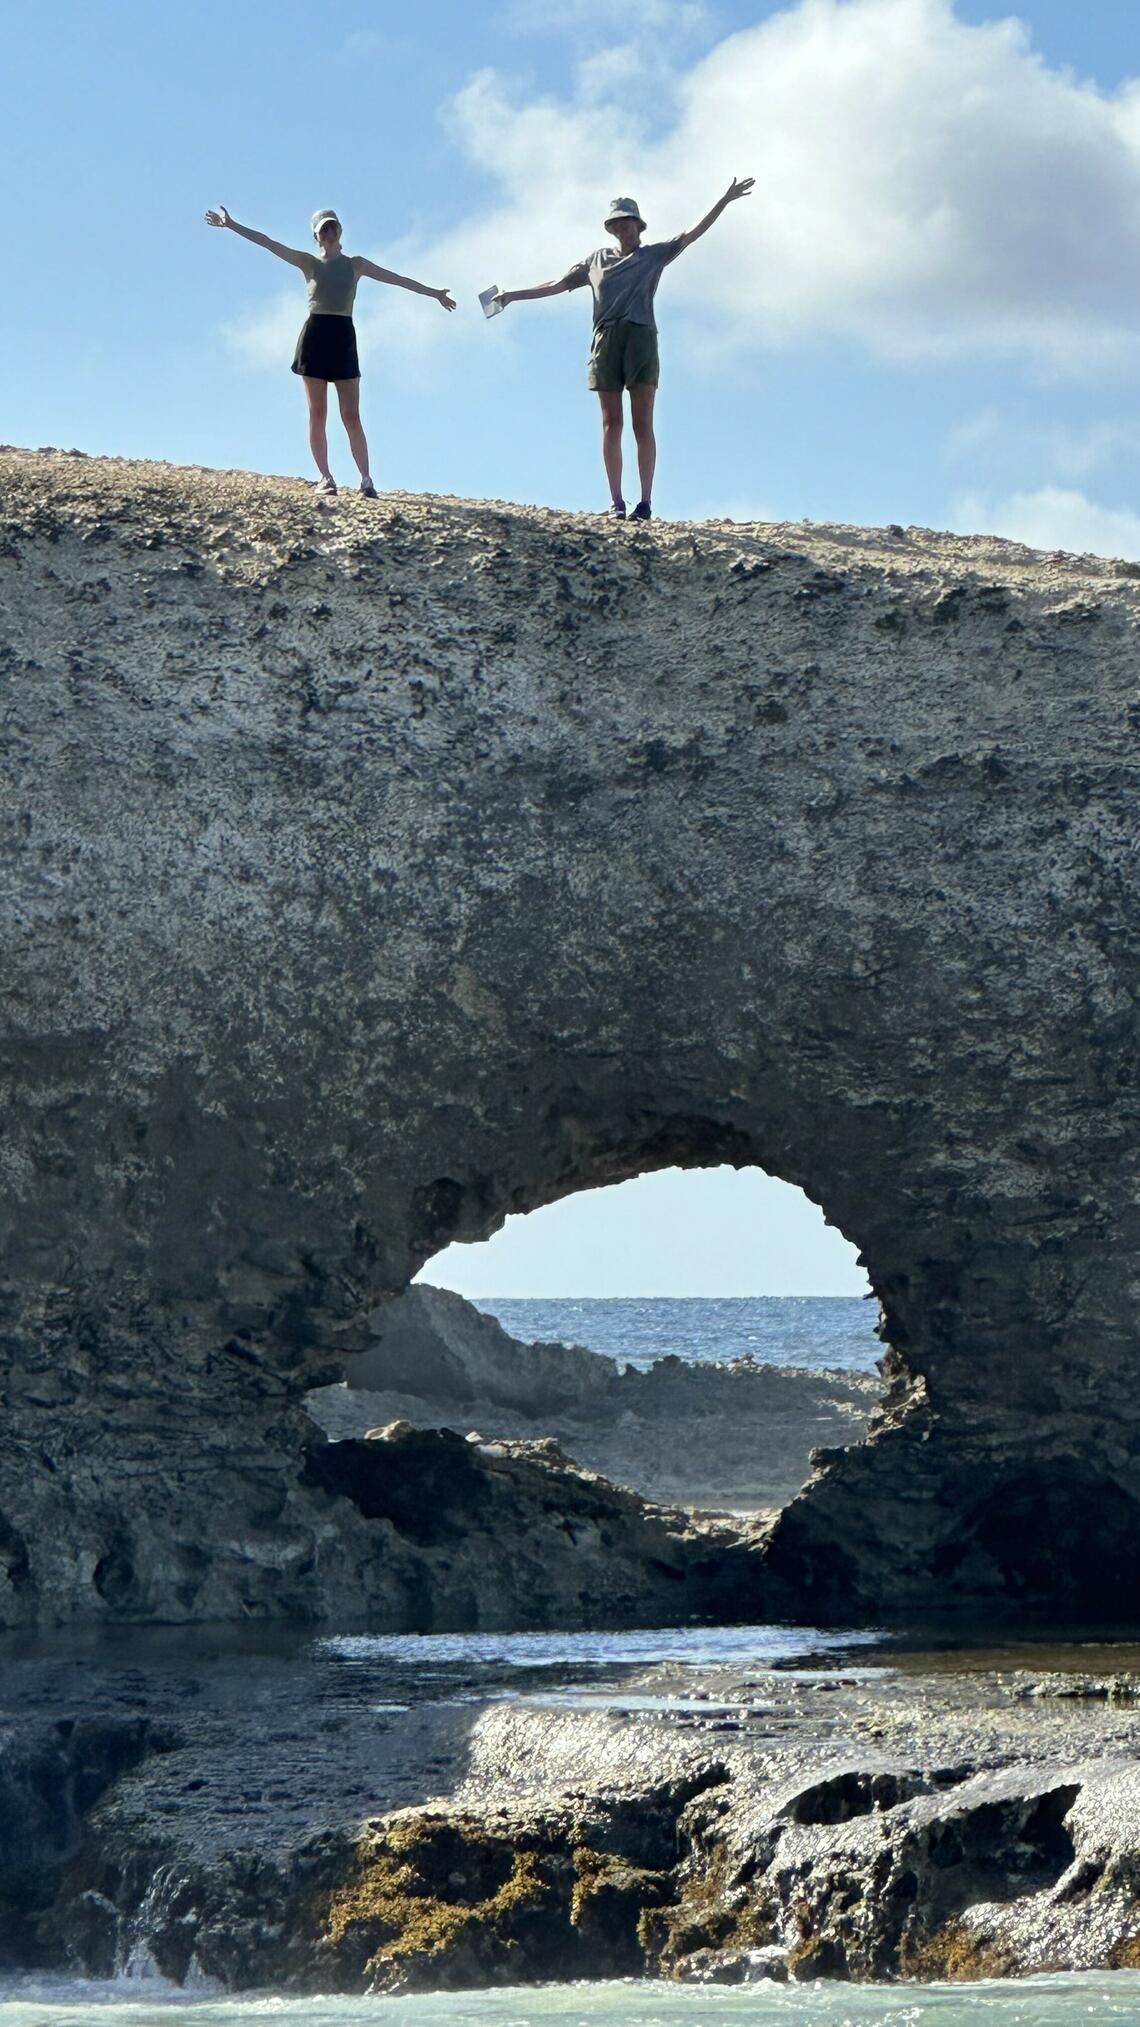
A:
[307,1821]
[372,873]
[736,1436]
[512,1533]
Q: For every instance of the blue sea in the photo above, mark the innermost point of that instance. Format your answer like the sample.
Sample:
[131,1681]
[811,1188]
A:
[816,1332]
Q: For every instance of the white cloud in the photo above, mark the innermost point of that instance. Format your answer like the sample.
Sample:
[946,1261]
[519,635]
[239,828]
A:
[265,336]
[633,56]
[1074,452]
[1053,518]
[925,188]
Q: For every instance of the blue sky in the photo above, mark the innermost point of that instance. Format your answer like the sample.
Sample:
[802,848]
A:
[714,1231]
[925,314]
[929,312]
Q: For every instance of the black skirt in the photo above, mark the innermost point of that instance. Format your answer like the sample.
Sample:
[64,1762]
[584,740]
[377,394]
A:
[326,349]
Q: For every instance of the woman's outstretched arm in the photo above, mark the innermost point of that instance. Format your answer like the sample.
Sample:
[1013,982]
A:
[292,254]
[402,281]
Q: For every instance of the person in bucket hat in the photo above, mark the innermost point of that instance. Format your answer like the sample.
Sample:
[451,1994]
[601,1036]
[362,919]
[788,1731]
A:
[623,353]
[326,348]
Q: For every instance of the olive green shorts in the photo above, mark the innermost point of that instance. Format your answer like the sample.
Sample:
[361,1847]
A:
[623,355]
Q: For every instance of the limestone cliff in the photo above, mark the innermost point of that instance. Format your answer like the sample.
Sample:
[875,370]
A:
[370,874]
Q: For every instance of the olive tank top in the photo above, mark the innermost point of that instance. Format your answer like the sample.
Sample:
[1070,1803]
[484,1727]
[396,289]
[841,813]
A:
[332,287]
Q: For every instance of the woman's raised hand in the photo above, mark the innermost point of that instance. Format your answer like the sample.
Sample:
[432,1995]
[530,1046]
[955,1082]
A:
[740,186]
[445,298]
[219,217]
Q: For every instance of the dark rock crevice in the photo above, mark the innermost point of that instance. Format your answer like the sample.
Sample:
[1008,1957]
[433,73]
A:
[49,1785]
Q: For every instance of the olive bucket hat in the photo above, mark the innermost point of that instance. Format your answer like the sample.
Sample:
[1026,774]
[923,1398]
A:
[624,207]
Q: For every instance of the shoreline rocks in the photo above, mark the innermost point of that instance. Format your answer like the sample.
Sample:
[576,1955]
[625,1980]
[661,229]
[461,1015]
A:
[512,1534]
[737,1436]
[272,1824]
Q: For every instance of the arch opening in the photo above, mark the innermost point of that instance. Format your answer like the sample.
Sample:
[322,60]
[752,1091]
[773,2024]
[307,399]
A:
[690,1333]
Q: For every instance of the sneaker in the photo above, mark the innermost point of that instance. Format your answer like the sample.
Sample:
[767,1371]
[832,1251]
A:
[368,490]
[325,489]
[642,512]
[616,512]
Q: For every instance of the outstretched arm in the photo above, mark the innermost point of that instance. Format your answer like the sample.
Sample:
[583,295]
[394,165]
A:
[290,253]
[741,186]
[507,296]
[402,281]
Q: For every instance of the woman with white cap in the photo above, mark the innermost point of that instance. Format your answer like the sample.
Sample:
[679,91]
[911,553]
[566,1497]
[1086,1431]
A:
[624,349]
[326,348]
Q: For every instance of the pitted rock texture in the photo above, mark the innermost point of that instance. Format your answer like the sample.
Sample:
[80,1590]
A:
[373,873]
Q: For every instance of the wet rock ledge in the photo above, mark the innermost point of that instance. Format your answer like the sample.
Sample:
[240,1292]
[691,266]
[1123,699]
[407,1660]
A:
[267,1827]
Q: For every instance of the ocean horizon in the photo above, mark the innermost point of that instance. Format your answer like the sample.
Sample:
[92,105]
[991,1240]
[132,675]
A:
[814,1333]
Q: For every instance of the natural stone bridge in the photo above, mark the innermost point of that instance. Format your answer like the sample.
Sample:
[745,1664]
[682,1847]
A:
[370,875]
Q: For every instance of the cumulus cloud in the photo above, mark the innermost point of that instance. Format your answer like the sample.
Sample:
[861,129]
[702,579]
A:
[925,187]
[1054,517]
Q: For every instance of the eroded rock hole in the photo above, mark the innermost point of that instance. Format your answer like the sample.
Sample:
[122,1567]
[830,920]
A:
[999,1850]
[1066,1541]
[691,1336]
[852,1793]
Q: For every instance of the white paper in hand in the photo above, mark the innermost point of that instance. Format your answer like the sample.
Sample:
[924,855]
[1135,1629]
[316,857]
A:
[491,300]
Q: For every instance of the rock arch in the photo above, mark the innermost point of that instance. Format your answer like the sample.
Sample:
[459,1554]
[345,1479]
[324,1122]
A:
[372,877]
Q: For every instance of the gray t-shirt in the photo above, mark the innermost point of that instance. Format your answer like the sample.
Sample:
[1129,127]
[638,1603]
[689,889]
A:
[332,285]
[624,284]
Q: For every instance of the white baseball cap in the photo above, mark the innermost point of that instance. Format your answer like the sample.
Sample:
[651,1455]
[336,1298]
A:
[323,218]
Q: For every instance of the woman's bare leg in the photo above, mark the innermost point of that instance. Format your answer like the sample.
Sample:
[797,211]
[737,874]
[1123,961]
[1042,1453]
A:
[612,419]
[641,401]
[348,394]
[317,394]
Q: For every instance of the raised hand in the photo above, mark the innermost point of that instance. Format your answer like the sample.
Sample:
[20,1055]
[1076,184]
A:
[741,186]
[219,217]
[445,299]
